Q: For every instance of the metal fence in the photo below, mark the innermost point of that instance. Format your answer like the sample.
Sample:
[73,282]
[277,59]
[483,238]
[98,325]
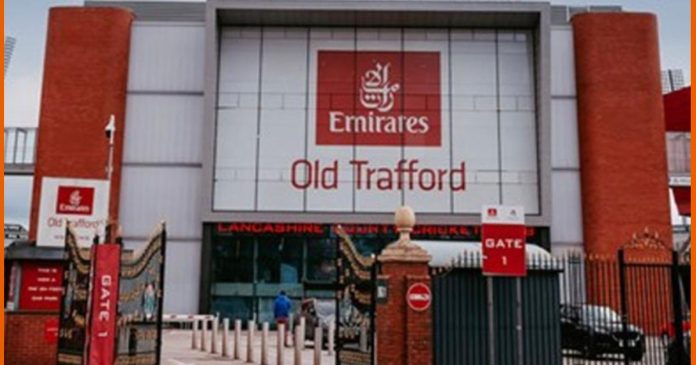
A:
[617,309]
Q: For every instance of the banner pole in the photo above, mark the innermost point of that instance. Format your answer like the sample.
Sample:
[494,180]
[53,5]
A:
[160,309]
[491,321]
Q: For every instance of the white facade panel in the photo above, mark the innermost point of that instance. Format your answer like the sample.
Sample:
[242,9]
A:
[283,116]
[163,129]
[562,62]
[167,57]
[152,194]
[566,221]
[342,197]
[439,199]
[182,274]
[565,151]
[317,120]
[237,122]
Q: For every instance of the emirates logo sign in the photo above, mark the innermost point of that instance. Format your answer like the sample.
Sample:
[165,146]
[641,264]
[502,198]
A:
[376,92]
[75,200]
[378,98]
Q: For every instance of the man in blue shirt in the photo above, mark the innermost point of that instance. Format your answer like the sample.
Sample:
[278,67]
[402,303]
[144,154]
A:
[281,311]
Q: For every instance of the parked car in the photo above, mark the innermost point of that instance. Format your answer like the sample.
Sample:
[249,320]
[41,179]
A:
[595,330]
[672,350]
[316,312]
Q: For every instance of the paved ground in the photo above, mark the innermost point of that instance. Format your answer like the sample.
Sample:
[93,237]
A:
[177,351]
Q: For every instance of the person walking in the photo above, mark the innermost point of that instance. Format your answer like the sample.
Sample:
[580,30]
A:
[281,312]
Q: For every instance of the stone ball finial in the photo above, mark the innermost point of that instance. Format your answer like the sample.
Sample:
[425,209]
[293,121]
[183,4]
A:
[404,219]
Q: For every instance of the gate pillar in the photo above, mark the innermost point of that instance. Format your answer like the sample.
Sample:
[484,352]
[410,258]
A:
[404,332]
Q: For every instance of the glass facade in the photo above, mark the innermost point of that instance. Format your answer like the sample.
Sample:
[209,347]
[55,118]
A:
[250,263]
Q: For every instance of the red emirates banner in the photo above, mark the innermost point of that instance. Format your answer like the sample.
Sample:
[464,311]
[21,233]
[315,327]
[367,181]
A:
[104,303]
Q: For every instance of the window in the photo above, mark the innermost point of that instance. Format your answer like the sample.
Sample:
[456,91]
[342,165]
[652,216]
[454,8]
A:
[291,260]
[321,265]
[233,260]
[269,260]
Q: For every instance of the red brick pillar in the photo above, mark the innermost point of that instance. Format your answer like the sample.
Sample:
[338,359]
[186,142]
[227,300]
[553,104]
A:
[624,175]
[85,77]
[404,335]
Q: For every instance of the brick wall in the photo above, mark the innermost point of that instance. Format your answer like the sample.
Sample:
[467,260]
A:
[404,336]
[25,343]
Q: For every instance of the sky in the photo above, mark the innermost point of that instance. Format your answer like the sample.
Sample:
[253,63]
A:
[26,21]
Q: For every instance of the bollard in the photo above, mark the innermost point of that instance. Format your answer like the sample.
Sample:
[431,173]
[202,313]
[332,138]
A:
[214,335]
[363,339]
[330,340]
[280,343]
[291,330]
[264,343]
[204,333]
[194,334]
[225,337]
[237,338]
[317,345]
[303,323]
[250,341]
[298,350]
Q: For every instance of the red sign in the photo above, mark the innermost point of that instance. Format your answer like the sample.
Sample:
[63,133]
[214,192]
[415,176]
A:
[42,285]
[503,241]
[51,331]
[75,200]
[104,302]
[378,98]
[315,229]
[418,297]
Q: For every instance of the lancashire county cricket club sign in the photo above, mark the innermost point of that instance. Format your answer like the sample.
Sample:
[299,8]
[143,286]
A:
[503,240]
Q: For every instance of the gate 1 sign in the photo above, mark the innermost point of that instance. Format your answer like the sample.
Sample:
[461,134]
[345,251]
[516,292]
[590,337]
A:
[102,327]
[419,297]
[503,240]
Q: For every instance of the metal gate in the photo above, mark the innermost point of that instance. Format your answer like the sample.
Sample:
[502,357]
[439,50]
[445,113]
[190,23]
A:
[462,320]
[355,307]
[655,327]
[630,307]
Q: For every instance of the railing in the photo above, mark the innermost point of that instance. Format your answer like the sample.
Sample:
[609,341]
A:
[20,148]
[20,145]
[679,153]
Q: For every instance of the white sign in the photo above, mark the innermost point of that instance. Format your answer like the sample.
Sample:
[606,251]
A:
[80,201]
[502,214]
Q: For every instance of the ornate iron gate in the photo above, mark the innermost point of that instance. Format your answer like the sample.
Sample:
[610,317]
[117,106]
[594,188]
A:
[654,299]
[141,294]
[355,304]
